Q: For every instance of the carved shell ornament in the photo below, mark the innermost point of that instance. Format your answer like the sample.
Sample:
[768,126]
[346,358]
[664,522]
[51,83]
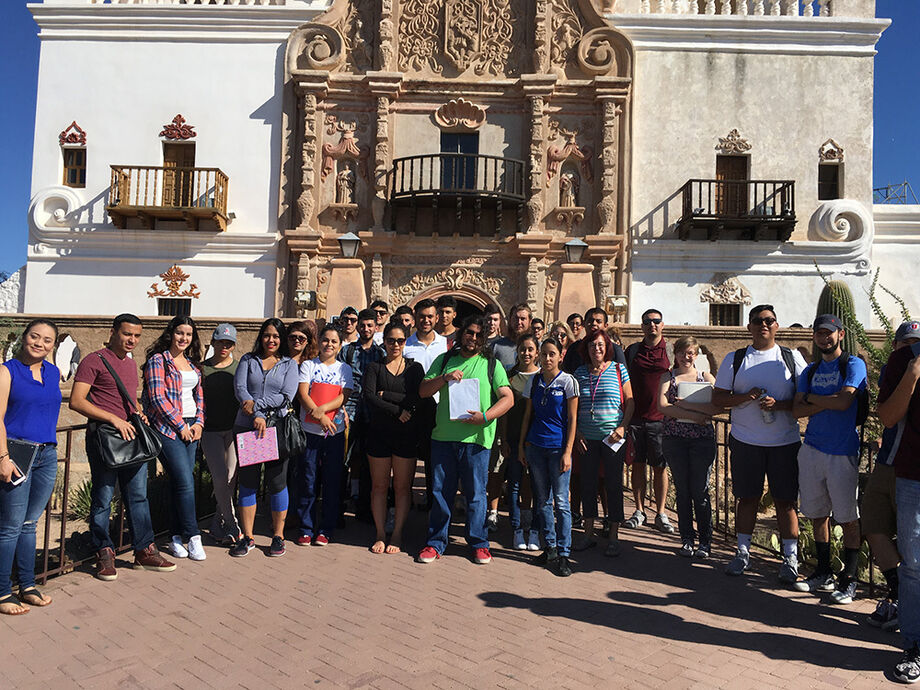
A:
[460,113]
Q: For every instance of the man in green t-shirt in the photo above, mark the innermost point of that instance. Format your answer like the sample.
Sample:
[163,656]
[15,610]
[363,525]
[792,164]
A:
[460,447]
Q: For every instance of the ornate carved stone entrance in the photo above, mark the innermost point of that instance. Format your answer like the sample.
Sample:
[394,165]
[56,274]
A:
[377,94]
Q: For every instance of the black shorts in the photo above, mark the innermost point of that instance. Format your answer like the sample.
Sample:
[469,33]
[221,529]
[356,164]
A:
[751,464]
[646,438]
[382,443]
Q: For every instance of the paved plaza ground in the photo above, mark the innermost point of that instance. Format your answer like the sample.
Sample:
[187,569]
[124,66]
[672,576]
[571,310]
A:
[340,616]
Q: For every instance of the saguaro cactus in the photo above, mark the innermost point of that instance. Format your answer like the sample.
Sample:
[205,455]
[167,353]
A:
[837,299]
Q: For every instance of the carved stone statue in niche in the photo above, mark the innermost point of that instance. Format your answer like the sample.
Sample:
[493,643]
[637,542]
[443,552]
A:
[568,189]
[345,186]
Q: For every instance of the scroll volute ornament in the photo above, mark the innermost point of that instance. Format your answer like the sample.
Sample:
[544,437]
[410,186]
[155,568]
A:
[460,114]
[315,47]
[599,53]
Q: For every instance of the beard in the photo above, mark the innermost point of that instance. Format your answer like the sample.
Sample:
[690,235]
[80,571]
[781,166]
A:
[827,350]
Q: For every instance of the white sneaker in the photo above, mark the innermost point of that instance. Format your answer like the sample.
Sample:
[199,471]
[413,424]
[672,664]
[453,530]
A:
[518,541]
[195,549]
[176,548]
[533,541]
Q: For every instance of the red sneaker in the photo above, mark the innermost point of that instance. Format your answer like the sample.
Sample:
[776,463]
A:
[321,540]
[482,556]
[304,540]
[428,555]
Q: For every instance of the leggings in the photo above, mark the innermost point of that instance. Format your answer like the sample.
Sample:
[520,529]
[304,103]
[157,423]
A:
[275,483]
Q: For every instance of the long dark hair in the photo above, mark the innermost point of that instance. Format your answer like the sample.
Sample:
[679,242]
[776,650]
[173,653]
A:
[279,326]
[309,350]
[163,343]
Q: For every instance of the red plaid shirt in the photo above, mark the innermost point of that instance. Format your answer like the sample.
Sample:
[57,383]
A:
[162,397]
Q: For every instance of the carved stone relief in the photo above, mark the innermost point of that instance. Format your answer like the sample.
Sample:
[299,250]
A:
[596,54]
[72,136]
[387,36]
[483,35]
[607,206]
[555,155]
[454,278]
[178,130]
[377,278]
[305,201]
[830,151]
[460,114]
[726,289]
[567,31]
[346,148]
[316,47]
[733,143]
[357,30]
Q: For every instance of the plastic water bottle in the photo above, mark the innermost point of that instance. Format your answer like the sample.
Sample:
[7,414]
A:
[768,416]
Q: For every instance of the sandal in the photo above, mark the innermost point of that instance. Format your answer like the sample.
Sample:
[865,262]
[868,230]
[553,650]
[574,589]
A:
[378,546]
[32,596]
[10,600]
[393,546]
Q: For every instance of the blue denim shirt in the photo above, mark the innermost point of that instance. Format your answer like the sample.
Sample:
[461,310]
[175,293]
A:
[359,360]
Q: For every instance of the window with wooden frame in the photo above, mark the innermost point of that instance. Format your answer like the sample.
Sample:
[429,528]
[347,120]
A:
[174,306]
[830,181]
[724,314]
[74,166]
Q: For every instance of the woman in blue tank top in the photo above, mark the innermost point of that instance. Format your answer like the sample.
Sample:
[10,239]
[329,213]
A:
[30,400]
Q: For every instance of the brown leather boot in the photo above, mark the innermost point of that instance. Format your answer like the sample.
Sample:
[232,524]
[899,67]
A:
[150,559]
[105,565]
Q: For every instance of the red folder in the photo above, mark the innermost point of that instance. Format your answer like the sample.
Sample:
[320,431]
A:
[320,394]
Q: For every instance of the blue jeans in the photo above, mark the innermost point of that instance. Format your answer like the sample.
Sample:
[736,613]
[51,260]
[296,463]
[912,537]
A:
[133,482]
[515,476]
[468,462]
[551,486]
[907,499]
[690,460]
[178,458]
[321,468]
[20,508]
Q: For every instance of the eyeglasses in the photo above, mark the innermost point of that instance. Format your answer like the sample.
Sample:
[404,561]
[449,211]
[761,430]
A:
[763,321]
[350,319]
[297,338]
[395,341]
[478,335]
[380,311]
[646,322]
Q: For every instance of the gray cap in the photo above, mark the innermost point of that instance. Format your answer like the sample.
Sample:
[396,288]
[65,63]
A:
[224,331]
[907,330]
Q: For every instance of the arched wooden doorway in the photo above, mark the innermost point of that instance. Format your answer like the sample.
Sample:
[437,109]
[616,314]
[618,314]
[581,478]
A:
[469,300]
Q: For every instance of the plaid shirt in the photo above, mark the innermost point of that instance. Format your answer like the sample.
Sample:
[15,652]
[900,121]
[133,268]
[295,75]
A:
[162,397]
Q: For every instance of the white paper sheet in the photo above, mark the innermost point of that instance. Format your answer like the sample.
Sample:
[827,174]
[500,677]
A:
[464,396]
[615,445]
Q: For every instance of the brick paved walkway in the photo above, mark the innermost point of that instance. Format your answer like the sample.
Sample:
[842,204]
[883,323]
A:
[341,616]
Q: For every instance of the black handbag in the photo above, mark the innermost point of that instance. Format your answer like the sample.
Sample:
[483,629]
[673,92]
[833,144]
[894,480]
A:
[115,452]
[292,439]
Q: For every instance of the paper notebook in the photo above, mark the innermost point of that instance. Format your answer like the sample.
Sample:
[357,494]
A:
[252,450]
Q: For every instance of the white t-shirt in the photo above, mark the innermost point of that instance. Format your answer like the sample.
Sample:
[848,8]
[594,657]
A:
[337,374]
[189,381]
[378,338]
[425,354]
[762,369]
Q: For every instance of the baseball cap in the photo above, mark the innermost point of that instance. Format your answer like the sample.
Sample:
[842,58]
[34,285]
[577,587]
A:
[828,321]
[224,331]
[907,330]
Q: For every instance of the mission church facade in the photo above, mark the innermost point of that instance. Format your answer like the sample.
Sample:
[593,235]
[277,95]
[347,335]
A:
[251,158]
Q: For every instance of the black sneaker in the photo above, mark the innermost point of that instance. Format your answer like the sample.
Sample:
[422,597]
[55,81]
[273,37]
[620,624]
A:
[277,548]
[242,547]
[547,557]
[563,567]
[907,670]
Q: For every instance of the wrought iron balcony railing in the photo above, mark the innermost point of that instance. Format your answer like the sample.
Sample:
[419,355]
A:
[753,208]
[455,182]
[169,193]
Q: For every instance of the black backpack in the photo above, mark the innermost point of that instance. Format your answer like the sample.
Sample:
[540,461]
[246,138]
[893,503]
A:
[862,394]
[490,359]
[788,360]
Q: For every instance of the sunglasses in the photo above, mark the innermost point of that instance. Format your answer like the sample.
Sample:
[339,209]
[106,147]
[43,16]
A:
[297,338]
[646,322]
[763,321]
[395,341]
[350,319]
[476,334]
[380,311]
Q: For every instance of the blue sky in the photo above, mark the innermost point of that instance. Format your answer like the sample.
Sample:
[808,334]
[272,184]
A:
[897,102]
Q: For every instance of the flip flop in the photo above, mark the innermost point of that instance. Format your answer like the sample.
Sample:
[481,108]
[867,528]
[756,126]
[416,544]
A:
[33,597]
[382,549]
[392,548]
[10,599]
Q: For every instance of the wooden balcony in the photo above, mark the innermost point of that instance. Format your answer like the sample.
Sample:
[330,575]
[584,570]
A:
[737,209]
[152,193]
[459,184]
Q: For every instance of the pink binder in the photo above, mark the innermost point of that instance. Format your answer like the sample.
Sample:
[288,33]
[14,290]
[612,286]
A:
[251,450]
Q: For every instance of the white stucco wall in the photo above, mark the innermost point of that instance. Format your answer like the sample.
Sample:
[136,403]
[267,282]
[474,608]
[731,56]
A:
[895,252]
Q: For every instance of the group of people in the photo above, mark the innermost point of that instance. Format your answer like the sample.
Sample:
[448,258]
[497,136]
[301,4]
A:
[544,414]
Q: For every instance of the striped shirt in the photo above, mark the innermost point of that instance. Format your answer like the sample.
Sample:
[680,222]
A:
[600,401]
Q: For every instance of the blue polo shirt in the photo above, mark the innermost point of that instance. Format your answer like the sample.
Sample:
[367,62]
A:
[550,411]
[833,431]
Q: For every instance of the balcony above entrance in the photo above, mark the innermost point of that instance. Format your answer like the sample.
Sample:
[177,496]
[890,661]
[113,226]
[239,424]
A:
[737,209]
[465,194]
[151,193]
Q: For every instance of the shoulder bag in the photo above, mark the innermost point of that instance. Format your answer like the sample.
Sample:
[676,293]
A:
[292,439]
[115,452]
